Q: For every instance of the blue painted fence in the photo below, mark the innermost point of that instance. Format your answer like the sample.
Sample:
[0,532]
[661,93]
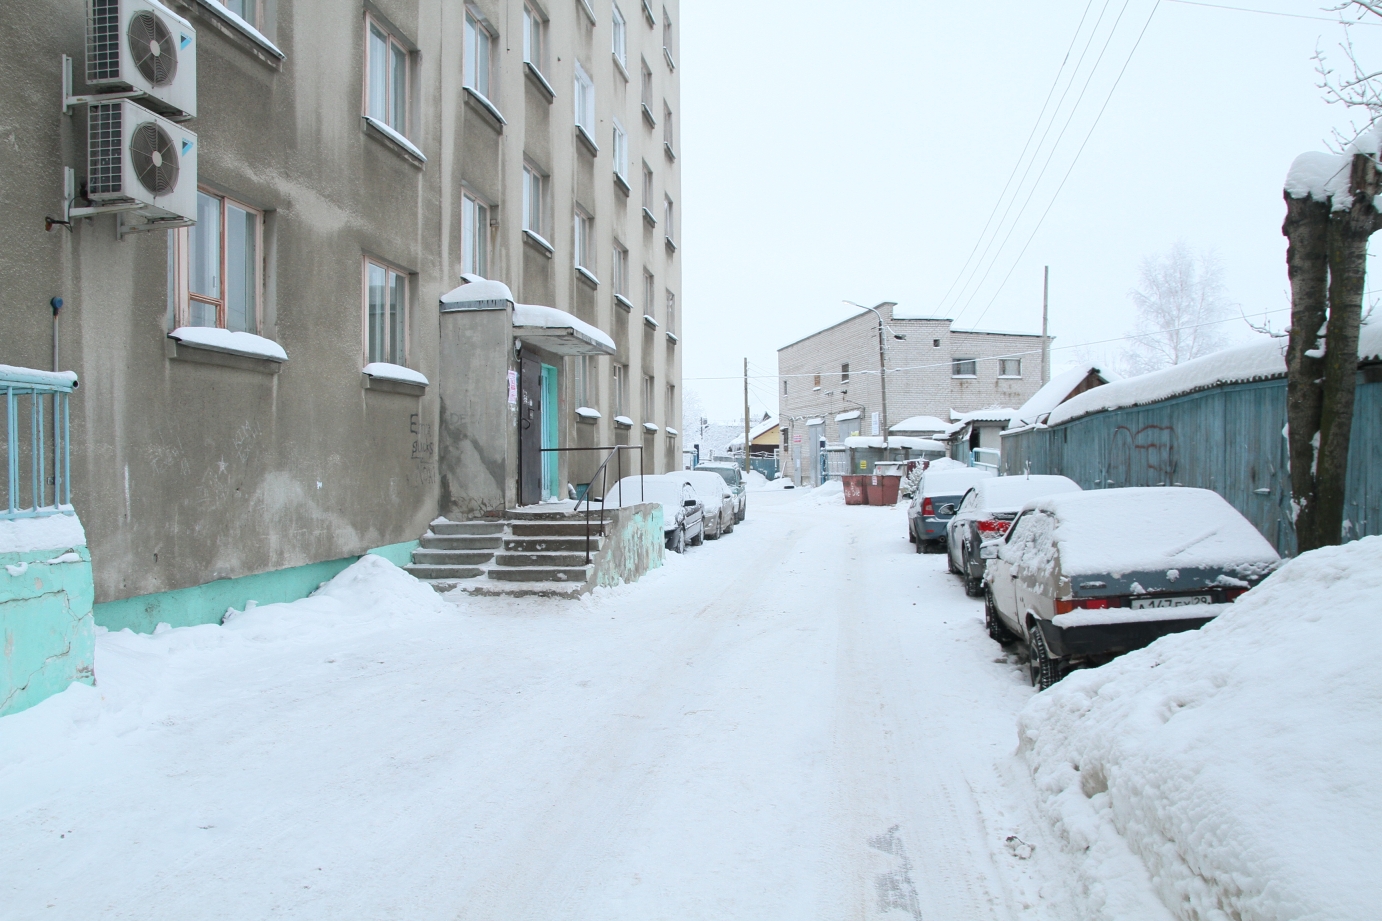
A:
[1229,439]
[38,458]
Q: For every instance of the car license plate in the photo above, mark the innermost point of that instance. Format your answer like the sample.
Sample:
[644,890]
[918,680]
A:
[1179,601]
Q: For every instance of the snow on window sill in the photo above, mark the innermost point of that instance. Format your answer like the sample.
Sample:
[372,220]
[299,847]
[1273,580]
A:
[481,101]
[671,154]
[624,422]
[648,218]
[671,244]
[390,372]
[673,432]
[964,377]
[587,414]
[623,302]
[538,80]
[672,337]
[243,27]
[620,66]
[405,145]
[648,14]
[538,240]
[588,10]
[1010,377]
[667,53]
[587,276]
[648,116]
[623,184]
[214,339]
[587,140]
[651,427]
[650,320]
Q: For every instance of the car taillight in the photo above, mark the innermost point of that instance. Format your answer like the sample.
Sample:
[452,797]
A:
[1232,593]
[927,508]
[993,527]
[1066,605]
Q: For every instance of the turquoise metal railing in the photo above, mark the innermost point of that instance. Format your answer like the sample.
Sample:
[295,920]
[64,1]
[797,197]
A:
[39,398]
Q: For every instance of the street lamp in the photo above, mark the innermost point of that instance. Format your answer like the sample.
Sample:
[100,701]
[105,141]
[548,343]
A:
[882,362]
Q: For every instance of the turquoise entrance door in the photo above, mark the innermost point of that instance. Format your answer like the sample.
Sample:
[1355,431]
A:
[550,466]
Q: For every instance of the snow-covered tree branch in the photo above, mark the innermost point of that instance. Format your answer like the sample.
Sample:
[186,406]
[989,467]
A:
[1180,303]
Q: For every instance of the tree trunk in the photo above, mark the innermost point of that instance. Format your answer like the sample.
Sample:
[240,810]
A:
[1307,261]
[1327,260]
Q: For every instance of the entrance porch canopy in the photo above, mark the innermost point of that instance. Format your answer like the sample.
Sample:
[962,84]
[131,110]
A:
[547,328]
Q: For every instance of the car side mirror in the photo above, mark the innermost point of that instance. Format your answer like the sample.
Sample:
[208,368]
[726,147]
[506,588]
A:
[988,550]
[689,503]
[947,509]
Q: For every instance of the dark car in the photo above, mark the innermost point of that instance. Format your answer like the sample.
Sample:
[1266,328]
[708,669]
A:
[936,501]
[985,513]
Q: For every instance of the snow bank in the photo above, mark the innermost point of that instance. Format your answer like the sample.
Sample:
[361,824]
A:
[1238,761]
[223,340]
[51,532]
[831,492]
[1150,528]
[1256,361]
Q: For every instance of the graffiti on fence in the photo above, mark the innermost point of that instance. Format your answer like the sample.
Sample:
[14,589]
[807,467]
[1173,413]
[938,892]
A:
[1146,457]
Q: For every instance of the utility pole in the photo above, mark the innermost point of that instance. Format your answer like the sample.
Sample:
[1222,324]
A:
[746,417]
[1045,343]
[883,382]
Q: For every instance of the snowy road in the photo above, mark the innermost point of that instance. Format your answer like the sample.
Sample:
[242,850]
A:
[803,720]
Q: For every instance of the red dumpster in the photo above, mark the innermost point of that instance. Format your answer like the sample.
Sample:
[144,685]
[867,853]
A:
[890,485]
[854,489]
[874,489]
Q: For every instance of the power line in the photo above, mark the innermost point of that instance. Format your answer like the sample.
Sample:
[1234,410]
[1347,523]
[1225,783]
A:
[1244,9]
[1073,162]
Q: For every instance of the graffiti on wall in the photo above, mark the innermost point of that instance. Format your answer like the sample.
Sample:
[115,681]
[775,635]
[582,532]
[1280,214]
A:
[1145,457]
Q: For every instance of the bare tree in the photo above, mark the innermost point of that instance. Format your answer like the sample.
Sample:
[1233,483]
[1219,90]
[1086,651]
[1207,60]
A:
[1181,303]
[1355,86]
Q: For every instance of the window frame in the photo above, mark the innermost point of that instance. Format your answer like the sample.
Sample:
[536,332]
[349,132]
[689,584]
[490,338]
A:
[649,291]
[649,189]
[475,27]
[648,408]
[619,268]
[957,364]
[581,381]
[667,38]
[1003,363]
[669,215]
[535,178]
[620,397]
[645,91]
[668,137]
[670,310]
[255,19]
[583,99]
[389,268]
[671,407]
[620,152]
[182,267]
[392,41]
[475,234]
[534,27]
[844,373]
[619,37]
[582,231]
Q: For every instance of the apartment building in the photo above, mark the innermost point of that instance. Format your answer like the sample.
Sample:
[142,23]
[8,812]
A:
[295,372]
[829,384]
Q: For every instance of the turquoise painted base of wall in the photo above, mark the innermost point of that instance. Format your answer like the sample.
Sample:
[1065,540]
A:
[207,604]
[45,625]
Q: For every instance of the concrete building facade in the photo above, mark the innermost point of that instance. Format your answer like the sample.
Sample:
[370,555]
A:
[352,162]
[829,385]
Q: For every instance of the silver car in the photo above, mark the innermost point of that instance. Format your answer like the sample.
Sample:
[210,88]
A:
[715,496]
[986,512]
[1082,577]
[734,476]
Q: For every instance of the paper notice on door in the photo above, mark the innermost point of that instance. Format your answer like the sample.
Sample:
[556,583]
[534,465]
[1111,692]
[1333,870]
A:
[513,388]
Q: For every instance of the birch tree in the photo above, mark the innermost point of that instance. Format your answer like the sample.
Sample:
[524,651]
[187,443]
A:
[1180,303]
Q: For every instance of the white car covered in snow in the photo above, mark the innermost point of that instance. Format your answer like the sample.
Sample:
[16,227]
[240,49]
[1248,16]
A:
[683,519]
[1082,577]
[716,497]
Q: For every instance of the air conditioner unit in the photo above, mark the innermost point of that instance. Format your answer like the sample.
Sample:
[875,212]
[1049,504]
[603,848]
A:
[141,46]
[138,157]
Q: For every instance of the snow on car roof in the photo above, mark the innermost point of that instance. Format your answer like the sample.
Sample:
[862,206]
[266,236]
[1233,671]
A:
[706,483]
[1013,492]
[1151,528]
[952,482]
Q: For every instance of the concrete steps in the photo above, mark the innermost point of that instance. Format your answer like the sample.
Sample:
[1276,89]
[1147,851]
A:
[537,551]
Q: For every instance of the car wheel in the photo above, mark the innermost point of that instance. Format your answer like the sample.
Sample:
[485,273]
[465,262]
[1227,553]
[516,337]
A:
[700,538]
[1043,670]
[950,565]
[910,536]
[973,587]
[930,546]
[679,545]
[729,528]
[917,542]
[997,632]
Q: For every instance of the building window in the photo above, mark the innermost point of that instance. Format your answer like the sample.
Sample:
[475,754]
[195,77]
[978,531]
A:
[581,382]
[620,153]
[647,188]
[249,10]
[386,308]
[667,36]
[667,214]
[671,311]
[619,30]
[844,373]
[816,383]
[474,235]
[215,266]
[387,91]
[620,397]
[620,268]
[645,83]
[585,102]
[667,138]
[580,240]
[784,392]
[534,201]
[671,405]
[648,287]
[1010,367]
[647,407]
[964,367]
[478,44]
[935,343]
[534,38]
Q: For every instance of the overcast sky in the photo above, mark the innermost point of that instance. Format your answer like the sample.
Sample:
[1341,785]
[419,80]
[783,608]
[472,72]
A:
[835,151]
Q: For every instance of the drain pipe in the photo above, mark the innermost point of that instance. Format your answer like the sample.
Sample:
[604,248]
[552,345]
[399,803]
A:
[56,304]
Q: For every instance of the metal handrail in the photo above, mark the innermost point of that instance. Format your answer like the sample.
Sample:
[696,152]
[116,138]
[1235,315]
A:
[603,472]
[17,383]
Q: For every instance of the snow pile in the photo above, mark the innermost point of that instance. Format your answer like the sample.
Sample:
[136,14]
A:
[831,492]
[951,482]
[1257,361]
[50,532]
[1053,393]
[1325,176]
[757,482]
[1010,493]
[1238,761]
[895,442]
[917,424]
[223,340]
[1171,527]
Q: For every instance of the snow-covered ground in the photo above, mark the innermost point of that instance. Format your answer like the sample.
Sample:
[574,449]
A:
[802,720]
